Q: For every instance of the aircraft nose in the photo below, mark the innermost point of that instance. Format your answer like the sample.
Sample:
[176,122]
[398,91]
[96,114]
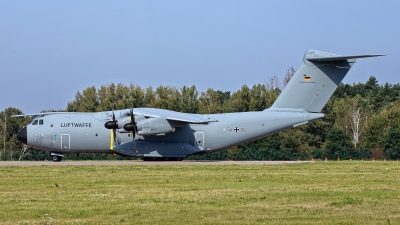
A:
[21,136]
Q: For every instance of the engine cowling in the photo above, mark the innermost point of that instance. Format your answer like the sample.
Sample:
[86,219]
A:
[131,125]
[111,125]
[154,126]
[116,124]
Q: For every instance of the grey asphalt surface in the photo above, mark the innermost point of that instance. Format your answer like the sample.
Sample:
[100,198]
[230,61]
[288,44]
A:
[114,163]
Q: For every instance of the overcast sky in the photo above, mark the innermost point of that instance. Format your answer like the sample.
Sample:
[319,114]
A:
[49,50]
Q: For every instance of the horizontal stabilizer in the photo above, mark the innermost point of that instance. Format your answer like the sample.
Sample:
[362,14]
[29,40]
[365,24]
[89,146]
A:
[315,80]
[337,58]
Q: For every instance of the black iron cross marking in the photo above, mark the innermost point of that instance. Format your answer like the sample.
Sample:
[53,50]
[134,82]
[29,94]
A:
[236,129]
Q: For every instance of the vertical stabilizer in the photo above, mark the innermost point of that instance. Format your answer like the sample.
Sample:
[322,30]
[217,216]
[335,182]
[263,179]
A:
[315,80]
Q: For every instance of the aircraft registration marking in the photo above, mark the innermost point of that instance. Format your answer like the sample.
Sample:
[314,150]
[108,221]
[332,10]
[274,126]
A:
[236,129]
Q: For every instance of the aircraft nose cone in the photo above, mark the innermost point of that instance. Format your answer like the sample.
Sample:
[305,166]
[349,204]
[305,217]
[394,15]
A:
[21,136]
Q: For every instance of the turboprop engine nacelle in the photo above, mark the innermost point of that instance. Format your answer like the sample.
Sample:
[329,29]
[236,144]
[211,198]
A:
[131,126]
[116,124]
[153,126]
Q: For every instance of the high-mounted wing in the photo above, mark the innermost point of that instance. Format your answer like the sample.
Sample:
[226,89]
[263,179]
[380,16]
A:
[43,114]
[172,115]
[152,121]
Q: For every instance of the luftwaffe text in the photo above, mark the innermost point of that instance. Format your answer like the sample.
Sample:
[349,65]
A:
[76,124]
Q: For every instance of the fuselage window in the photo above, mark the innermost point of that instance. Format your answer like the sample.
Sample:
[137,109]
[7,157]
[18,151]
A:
[40,122]
[35,122]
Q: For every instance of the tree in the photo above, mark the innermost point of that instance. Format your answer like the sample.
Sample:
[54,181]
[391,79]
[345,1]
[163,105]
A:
[136,96]
[149,97]
[260,98]
[337,144]
[358,117]
[122,98]
[4,134]
[392,144]
[289,74]
[261,149]
[225,99]
[376,132]
[241,100]
[167,97]
[382,131]
[352,115]
[107,99]
[273,89]
[9,132]
[89,101]
[73,106]
[189,99]
[209,102]
[294,144]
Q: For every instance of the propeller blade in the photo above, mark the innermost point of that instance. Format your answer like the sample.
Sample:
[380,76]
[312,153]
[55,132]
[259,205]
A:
[112,125]
[133,122]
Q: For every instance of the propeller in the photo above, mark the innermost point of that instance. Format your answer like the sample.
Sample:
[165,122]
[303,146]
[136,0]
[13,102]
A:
[132,127]
[112,125]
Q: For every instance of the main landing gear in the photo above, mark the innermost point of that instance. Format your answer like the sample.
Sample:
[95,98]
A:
[162,159]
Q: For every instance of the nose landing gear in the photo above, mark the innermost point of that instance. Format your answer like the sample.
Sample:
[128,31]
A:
[56,157]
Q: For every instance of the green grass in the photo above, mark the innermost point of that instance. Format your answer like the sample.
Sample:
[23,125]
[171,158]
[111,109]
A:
[346,192]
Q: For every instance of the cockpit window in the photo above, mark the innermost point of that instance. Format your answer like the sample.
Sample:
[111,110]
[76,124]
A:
[35,122]
[40,122]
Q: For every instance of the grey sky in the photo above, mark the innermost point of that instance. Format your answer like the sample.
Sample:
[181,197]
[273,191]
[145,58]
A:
[49,50]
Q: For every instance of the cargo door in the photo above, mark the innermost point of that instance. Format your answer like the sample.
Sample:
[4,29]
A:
[65,142]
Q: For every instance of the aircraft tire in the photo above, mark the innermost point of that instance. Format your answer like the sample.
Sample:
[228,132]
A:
[161,159]
[150,159]
[56,158]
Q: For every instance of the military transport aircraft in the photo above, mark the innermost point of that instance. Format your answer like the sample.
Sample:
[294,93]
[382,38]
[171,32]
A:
[163,134]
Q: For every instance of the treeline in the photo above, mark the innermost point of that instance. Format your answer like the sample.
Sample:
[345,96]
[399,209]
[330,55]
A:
[361,120]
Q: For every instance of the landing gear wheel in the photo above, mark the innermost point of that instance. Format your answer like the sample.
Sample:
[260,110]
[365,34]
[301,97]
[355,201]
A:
[179,159]
[150,159]
[56,158]
[166,158]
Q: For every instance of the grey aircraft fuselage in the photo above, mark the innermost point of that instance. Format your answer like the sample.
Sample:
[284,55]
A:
[85,133]
[158,133]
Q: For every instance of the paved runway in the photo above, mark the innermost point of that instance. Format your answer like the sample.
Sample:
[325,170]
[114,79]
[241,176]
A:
[125,162]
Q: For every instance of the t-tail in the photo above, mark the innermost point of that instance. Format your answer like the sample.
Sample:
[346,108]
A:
[315,80]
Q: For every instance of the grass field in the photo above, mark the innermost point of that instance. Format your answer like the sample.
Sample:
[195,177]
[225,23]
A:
[345,192]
